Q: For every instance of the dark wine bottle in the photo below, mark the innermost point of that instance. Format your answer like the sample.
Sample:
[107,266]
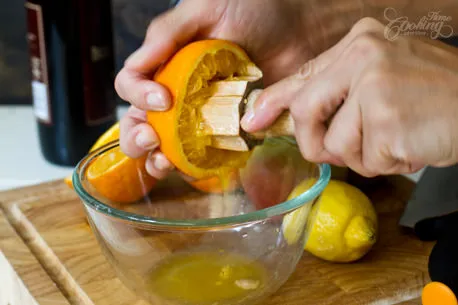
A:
[72,72]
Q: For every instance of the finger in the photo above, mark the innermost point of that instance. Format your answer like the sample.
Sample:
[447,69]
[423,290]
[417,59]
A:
[270,104]
[136,136]
[165,35]
[378,155]
[343,138]
[141,92]
[311,104]
[158,166]
[314,105]
[171,30]
[401,168]
[278,97]
[318,101]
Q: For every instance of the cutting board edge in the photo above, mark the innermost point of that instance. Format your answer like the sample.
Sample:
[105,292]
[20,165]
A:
[21,262]
[46,257]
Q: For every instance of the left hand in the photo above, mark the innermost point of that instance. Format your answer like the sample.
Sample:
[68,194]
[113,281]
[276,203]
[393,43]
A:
[275,33]
[392,106]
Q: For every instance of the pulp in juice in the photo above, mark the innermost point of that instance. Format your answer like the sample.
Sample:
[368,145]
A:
[203,278]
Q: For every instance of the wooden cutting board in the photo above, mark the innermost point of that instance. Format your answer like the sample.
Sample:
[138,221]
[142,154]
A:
[23,281]
[51,220]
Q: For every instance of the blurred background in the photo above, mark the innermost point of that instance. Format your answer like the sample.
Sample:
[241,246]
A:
[21,161]
[131,18]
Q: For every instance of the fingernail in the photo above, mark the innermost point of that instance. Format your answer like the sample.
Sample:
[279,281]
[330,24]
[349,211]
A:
[156,101]
[144,140]
[160,163]
[247,119]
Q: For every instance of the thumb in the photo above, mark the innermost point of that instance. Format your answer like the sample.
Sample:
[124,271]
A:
[278,97]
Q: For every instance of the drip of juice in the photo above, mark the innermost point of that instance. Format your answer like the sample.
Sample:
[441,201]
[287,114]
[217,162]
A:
[207,278]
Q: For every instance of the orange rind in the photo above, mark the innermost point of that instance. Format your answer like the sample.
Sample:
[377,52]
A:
[188,75]
[437,293]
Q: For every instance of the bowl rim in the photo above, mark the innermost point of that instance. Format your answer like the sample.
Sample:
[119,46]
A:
[279,209]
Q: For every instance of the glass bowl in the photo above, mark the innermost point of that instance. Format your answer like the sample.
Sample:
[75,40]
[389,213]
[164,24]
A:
[182,246]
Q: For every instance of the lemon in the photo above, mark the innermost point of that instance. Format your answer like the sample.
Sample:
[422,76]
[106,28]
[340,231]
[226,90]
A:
[294,222]
[341,226]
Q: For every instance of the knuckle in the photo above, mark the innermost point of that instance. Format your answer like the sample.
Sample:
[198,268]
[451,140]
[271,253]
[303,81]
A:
[309,152]
[126,144]
[379,80]
[308,104]
[135,114]
[377,158]
[118,84]
[385,121]
[368,45]
[307,69]
[334,147]
[126,136]
[306,152]
[310,155]
[367,174]
[377,89]
[366,24]
[125,121]
[370,163]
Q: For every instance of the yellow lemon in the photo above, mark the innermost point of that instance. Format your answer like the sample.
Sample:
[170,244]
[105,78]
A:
[341,225]
[294,222]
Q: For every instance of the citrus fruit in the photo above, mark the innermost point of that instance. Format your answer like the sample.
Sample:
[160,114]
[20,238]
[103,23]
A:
[119,178]
[188,75]
[435,293]
[294,223]
[341,225]
[112,134]
[114,175]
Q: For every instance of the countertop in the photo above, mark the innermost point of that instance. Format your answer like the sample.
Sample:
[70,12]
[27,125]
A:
[21,162]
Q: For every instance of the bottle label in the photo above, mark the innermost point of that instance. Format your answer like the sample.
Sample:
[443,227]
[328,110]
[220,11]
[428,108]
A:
[38,63]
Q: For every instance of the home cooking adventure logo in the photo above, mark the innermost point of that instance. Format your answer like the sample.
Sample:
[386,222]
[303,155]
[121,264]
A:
[433,25]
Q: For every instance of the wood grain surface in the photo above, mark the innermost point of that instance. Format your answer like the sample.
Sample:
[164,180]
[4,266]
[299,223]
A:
[51,219]
[412,302]
[23,281]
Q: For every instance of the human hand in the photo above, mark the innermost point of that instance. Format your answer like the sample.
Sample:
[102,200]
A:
[374,105]
[271,31]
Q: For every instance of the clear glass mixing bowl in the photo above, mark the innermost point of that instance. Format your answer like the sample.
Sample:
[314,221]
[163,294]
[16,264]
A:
[181,246]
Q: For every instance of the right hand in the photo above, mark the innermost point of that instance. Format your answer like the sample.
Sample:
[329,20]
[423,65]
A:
[271,31]
[376,106]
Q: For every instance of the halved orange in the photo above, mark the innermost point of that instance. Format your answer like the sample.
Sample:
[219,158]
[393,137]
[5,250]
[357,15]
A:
[120,178]
[114,175]
[108,136]
[112,134]
[187,74]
